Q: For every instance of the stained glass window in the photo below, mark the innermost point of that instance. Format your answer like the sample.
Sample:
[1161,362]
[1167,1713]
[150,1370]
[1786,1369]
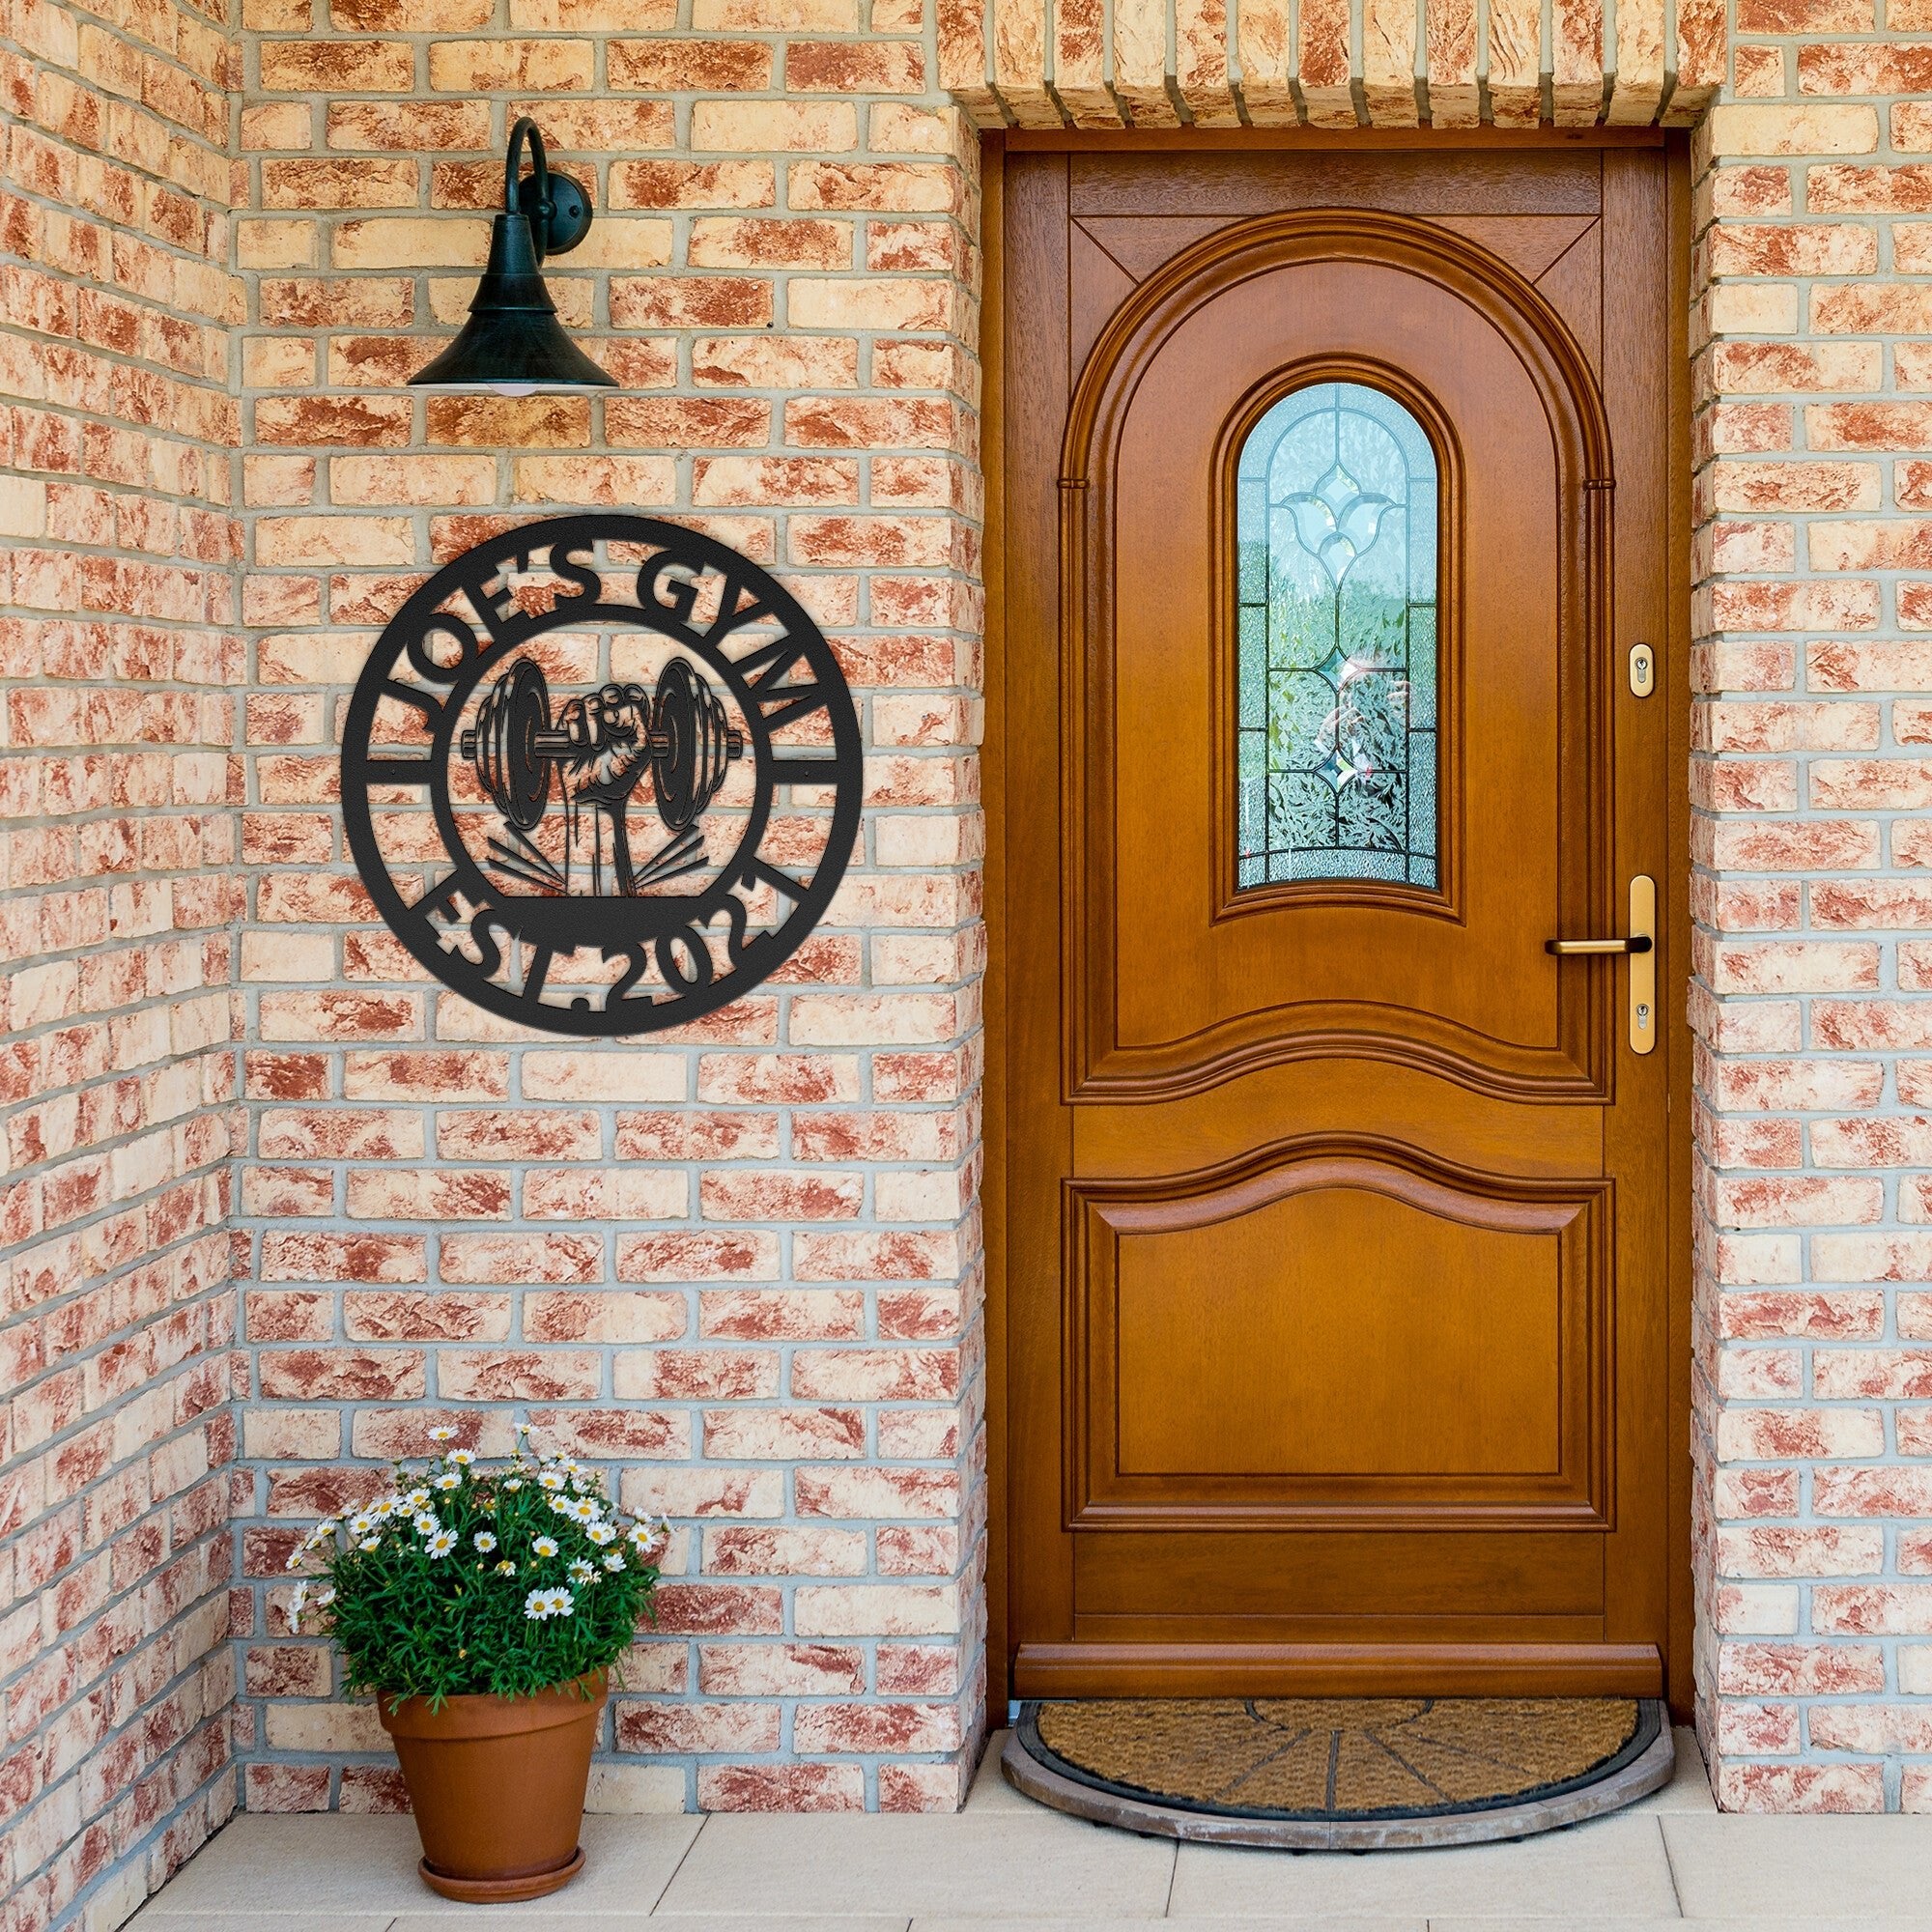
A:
[1336,528]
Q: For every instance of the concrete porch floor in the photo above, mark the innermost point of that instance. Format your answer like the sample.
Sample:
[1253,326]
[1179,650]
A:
[1007,1865]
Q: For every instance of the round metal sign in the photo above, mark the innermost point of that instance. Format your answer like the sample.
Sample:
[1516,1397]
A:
[601,775]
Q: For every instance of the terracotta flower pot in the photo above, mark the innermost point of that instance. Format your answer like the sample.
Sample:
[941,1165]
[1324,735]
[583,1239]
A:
[498,1785]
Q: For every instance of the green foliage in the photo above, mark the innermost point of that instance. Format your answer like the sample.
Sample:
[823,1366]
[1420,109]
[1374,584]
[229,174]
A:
[464,1579]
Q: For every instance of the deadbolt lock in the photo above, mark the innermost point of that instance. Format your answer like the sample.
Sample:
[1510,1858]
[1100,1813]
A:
[1642,670]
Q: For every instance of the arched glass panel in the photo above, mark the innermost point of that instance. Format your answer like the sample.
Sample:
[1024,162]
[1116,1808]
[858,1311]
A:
[1336,529]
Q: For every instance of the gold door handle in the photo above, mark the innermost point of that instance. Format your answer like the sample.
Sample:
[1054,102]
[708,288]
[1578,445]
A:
[1641,948]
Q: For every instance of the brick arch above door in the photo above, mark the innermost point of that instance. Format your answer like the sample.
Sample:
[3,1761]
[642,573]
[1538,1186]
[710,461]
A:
[1153,64]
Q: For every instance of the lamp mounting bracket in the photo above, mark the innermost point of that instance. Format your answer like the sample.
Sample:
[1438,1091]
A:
[559,210]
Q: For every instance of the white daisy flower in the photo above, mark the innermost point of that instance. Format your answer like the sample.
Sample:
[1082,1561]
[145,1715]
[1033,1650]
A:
[361,1523]
[600,1533]
[389,1506]
[415,1498]
[544,1545]
[449,1480]
[461,1458]
[551,1479]
[441,1542]
[584,1510]
[506,1568]
[582,1572]
[541,1605]
[370,1542]
[614,1561]
[323,1598]
[484,1540]
[524,1427]
[514,1483]
[426,1524]
[443,1434]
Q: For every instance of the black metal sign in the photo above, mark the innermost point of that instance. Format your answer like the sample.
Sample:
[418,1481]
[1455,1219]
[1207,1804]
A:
[601,775]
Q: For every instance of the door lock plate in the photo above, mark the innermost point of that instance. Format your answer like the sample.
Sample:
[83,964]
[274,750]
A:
[1644,964]
[1642,670]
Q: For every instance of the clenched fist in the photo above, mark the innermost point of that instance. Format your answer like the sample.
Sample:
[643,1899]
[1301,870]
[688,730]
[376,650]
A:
[610,749]
[609,735]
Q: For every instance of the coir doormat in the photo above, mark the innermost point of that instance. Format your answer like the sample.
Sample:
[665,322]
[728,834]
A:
[1341,1773]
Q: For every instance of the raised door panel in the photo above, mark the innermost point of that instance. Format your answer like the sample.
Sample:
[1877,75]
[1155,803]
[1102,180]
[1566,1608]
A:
[1339,1335]
[1184,973]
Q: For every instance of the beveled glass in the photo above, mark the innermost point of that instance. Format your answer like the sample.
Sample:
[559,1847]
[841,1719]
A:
[1337,752]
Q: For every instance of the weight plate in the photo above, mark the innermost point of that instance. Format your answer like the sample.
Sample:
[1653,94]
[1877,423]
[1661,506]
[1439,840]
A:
[517,776]
[677,719]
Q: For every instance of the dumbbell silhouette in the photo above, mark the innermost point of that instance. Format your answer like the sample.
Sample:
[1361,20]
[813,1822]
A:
[514,742]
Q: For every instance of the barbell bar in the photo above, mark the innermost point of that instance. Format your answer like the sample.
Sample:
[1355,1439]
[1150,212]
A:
[514,742]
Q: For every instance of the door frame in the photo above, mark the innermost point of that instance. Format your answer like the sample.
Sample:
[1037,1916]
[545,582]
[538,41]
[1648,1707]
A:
[1675,692]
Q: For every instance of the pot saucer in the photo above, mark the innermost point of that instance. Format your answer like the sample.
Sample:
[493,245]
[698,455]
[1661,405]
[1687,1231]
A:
[504,1890]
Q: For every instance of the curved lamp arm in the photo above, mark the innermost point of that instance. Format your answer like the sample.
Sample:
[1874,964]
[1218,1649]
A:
[526,130]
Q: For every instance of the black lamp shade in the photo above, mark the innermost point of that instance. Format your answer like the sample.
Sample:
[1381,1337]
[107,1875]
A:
[513,343]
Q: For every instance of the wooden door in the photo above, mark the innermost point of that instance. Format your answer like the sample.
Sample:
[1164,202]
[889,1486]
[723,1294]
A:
[1338,1239]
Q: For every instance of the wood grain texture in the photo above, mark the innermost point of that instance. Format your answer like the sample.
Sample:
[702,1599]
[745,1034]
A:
[1340,1669]
[1371,1398]
[1125,1403]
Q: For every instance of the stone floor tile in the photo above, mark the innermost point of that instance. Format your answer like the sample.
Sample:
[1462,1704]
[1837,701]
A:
[1344,1924]
[977,1866]
[1690,1786]
[990,1790]
[1611,1868]
[1565,1924]
[158,1917]
[1871,1869]
[553,1914]
[287,1868]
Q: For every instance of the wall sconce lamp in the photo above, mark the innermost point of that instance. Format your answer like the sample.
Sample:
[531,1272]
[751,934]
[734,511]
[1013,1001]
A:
[513,343]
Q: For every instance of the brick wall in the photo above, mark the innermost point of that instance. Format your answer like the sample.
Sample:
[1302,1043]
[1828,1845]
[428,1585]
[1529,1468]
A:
[119,694]
[737,1266]
[1810,783]
[741,1266]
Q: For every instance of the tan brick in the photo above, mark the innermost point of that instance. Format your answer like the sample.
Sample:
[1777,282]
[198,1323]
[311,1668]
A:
[690,66]
[337,67]
[1813,128]
[485,67]
[763,127]
[720,241]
